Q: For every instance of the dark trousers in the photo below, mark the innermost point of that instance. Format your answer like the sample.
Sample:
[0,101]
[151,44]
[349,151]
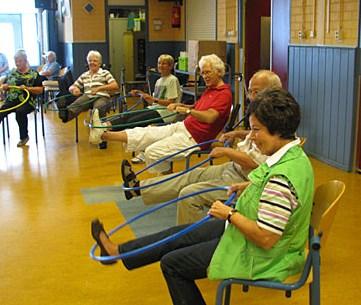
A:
[183,260]
[136,119]
[21,116]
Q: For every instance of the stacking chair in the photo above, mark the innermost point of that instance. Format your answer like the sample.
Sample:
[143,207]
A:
[38,106]
[326,201]
[51,87]
[144,85]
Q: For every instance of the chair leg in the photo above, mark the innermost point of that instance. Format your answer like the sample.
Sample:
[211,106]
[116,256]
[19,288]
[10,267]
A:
[42,118]
[188,161]
[223,293]
[314,291]
[4,134]
[36,126]
[227,296]
[7,126]
[76,130]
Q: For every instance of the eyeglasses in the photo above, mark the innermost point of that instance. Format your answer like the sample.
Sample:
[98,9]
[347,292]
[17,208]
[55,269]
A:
[207,73]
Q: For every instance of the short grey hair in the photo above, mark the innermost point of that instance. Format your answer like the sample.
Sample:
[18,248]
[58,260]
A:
[20,54]
[215,62]
[51,54]
[272,78]
[94,53]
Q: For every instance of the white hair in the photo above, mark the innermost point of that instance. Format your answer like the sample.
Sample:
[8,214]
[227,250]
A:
[214,61]
[94,53]
[51,54]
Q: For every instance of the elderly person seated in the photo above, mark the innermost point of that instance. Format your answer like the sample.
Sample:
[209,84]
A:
[268,228]
[51,68]
[4,65]
[204,121]
[245,157]
[166,91]
[92,90]
[25,78]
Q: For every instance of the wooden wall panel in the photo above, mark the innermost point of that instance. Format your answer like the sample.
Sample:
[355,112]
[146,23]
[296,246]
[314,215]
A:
[227,20]
[163,11]
[88,27]
[322,81]
[327,22]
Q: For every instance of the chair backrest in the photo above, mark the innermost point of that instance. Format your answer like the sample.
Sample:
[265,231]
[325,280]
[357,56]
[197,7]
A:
[326,201]
[303,140]
[65,82]
[63,71]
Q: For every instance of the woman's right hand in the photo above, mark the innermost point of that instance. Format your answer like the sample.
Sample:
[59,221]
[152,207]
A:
[228,136]
[75,91]
[4,87]
[172,106]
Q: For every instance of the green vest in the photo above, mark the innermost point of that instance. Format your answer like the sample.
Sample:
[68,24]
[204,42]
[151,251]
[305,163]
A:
[237,257]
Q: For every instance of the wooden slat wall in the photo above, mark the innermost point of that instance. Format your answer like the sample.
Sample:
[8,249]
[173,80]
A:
[322,80]
[227,20]
[201,20]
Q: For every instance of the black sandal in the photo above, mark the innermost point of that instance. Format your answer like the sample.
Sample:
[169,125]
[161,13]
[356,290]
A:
[130,180]
[96,229]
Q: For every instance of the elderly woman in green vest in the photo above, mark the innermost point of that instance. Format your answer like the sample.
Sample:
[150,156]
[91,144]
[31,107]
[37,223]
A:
[23,77]
[266,231]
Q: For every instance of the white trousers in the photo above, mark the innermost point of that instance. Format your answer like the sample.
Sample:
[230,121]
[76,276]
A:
[160,141]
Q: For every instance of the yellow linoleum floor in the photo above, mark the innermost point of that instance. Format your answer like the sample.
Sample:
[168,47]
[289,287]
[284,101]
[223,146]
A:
[45,232]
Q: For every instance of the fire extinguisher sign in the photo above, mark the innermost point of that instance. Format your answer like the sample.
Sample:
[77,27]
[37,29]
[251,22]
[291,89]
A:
[176,17]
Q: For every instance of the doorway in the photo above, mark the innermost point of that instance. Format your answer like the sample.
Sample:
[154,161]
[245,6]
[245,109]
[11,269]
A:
[267,37]
[127,42]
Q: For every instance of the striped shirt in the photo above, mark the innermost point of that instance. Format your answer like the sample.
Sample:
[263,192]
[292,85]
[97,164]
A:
[277,203]
[87,81]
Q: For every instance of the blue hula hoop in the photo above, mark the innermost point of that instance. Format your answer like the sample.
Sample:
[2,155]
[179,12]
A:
[164,240]
[136,188]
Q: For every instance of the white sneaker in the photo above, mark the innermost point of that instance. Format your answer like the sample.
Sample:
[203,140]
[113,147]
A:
[139,158]
[95,134]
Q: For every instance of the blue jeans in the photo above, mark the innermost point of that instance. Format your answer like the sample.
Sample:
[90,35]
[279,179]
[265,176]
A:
[183,260]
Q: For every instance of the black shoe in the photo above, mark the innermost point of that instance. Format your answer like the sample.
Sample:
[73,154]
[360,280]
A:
[64,115]
[103,145]
[96,229]
[130,180]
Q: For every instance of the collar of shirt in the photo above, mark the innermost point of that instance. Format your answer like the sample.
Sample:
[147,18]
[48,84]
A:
[271,160]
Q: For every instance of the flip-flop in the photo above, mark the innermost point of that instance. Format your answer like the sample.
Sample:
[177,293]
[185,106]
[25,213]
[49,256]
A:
[96,229]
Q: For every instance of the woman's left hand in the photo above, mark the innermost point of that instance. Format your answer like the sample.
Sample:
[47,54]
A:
[94,90]
[218,152]
[219,210]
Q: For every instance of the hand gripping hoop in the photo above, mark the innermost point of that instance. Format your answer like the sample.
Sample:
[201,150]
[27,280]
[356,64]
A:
[164,240]
[22,103]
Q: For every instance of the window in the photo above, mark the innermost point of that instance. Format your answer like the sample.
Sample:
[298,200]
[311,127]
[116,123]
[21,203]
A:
[18,28]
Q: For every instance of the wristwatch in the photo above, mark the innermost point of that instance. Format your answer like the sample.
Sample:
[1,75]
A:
[230,214]
[188,111]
